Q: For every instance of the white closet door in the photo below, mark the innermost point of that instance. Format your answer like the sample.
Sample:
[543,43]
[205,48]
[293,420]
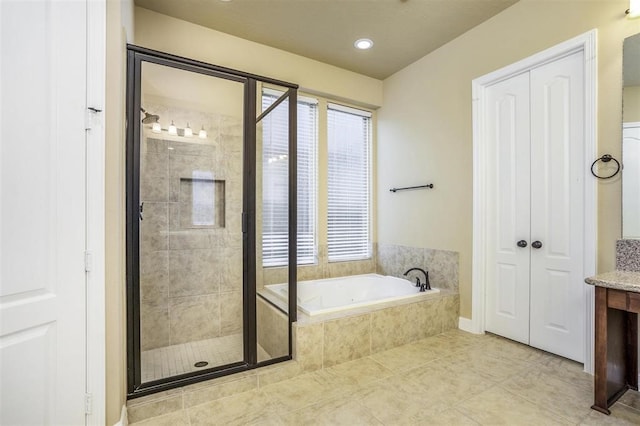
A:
[557,203]
[42,212]
[507,291]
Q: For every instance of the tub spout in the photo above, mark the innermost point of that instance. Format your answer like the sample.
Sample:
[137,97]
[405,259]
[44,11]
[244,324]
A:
[423,286]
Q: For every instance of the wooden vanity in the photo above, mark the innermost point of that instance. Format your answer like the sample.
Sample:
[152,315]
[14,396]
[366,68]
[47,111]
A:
[617,304]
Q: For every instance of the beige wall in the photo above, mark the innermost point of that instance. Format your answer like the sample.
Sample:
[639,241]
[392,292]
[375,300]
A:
[425,124]
[117,18]
[161,32]
[631,104]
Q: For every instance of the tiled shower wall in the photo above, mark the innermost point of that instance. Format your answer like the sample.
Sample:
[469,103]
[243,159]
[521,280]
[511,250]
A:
[442,265]
[190,274]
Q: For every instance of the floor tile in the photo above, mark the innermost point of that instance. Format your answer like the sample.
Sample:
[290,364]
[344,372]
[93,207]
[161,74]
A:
[337,411]
[448,417]
[499,407]
[239,409]
[490,365]
[404,357]
[448,383]
[444,345]
[564,369]
[455,378]
[177,418]
[631,399]
[620,415]
[352,374]
[301,391]
[571,401]
[395,400]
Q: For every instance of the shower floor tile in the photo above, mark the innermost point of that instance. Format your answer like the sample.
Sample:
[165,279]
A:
[173,360]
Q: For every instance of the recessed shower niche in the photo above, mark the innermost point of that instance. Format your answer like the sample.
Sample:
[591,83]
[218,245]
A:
[192,238]
[201,202]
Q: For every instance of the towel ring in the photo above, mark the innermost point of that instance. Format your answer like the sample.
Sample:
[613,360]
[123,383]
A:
[605,159]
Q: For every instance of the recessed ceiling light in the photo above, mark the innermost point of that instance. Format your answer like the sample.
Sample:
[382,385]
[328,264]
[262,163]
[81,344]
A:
[363,44]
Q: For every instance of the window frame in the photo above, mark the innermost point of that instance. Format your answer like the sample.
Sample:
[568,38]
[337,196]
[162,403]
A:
[370,116]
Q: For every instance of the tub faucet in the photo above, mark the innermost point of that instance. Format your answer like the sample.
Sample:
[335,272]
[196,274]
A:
[423,286]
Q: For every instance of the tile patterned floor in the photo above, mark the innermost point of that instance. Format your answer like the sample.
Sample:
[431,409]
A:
[179,359]
[454,378]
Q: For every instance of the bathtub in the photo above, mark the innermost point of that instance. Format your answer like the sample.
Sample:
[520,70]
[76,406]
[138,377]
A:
[324,296]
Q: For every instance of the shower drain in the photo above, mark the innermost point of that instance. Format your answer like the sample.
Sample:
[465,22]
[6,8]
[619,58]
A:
[201,364]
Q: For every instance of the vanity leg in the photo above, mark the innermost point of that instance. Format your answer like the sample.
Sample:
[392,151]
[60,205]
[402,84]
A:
[600,377]
[632,350]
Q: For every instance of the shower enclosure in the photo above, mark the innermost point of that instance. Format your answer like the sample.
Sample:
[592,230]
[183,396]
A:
[195,199]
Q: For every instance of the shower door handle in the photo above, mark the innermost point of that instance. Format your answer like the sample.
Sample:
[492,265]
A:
[245,222]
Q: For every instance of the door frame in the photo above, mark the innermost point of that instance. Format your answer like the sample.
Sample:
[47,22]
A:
[96,395]
[585,43]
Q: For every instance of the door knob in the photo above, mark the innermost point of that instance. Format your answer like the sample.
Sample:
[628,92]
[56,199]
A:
[536,244]
[522,243]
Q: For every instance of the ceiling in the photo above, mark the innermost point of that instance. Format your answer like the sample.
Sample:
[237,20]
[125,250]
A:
[403,30]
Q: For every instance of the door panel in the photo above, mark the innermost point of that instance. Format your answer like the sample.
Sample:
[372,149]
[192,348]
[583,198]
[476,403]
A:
[272,221]
[42,212]
[508,272]
[557,287]
[190,239]
[506,304]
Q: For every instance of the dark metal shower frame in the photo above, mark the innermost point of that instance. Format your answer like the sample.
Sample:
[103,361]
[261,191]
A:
[135,57]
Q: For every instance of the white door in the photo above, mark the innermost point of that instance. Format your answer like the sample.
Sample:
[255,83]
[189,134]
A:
[507,291]
[557,207]
[535,235]
[42,212]
[631,180]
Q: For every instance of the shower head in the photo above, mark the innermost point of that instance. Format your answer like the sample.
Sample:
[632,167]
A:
[149,118]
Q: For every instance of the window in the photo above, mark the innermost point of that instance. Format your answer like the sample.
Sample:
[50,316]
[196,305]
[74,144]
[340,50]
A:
[348,226]
[275,180]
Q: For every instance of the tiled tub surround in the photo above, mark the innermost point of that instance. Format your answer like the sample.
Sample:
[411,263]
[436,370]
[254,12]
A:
[331,339]
[442,265]
[190,274]
[387,259]
[628,255]
[272,332]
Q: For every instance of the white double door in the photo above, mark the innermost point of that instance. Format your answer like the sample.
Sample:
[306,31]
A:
[43,313]
[535,287]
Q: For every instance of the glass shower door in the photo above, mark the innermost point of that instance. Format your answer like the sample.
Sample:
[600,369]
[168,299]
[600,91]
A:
[190,227]
[195,202]
[273,168]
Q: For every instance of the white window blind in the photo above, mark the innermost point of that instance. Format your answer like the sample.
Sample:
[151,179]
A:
[275,181]
[349,185]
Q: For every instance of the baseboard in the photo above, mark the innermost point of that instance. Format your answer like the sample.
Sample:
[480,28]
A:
[465,324]
[124,419]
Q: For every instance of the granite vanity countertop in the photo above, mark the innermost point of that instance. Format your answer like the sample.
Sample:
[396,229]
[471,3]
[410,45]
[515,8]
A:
[619,280]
